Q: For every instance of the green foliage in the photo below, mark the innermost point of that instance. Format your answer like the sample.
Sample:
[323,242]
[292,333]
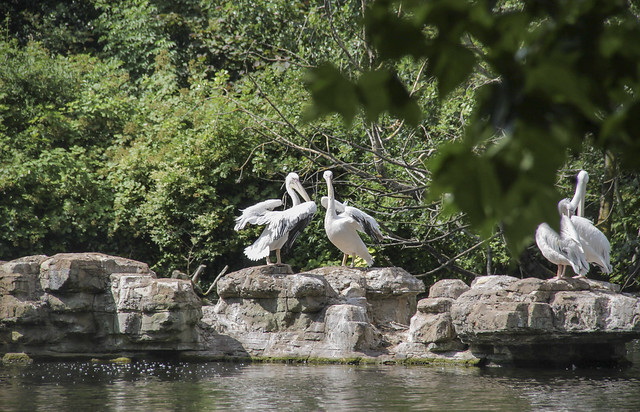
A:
[141,128]
[133,32]
[377,91]
[53,134]
[566,71]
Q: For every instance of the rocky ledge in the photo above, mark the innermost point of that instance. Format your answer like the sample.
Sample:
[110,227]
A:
[94,305]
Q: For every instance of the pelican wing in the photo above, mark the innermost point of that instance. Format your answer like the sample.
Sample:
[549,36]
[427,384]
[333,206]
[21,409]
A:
[339,206]
[548,242]
[367,223]
[255,214]
[559,250]
[568,231]
[364,222]
[596,245]
[296,220]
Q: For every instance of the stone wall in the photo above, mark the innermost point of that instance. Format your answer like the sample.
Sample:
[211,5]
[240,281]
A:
[91,304]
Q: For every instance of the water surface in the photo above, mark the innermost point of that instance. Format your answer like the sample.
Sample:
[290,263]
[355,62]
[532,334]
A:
[171,386]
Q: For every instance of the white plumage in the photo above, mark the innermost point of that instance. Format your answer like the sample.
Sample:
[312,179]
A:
[282,227]
[564,249]
[577,202]
[367,223]
[596,246]
[342,223]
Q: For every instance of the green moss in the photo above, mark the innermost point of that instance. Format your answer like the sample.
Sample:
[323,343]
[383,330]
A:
[348,361]
[16,359]
[121,360]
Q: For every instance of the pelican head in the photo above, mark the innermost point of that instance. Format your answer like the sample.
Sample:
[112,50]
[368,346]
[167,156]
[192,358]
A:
[291,178]
[565,208]
[328,175]
[583,176]
[293,181]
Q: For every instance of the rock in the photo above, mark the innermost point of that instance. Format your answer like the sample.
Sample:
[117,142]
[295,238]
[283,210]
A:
[436,328]
[101,306]
[435,305]
[516,321]
[16,359]
[347,328]
[90,302]
[448,288]
[84,272]
[333,312]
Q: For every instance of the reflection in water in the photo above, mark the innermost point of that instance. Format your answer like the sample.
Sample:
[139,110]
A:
[166,386]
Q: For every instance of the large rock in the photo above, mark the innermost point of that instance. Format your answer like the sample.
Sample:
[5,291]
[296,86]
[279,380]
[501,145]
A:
[331,312]
[91,303]
[556,322]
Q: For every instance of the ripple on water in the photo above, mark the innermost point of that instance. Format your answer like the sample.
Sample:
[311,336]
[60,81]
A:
[178,385]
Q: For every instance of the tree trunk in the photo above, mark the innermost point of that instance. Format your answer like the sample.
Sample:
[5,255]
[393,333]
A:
[607,194]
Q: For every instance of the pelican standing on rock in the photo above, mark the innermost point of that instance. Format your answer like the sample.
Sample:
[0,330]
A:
[342,224]
[596,246]
[562,249]
[283,227]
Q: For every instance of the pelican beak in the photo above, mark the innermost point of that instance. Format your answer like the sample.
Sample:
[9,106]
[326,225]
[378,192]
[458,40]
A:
[301,190]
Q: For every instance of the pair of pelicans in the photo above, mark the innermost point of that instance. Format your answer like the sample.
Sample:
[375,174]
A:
[341,223]
[579,241]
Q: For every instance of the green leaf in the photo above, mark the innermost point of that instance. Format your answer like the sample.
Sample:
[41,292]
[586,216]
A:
[381,90]
[393,37]
[452,65]
[331,92]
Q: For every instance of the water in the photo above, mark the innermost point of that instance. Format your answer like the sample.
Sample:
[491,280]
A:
[172,386]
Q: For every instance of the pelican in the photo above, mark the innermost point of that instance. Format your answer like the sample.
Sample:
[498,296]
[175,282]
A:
[283,227]
[562,249]
[342,224]
[596,246]
[594,242]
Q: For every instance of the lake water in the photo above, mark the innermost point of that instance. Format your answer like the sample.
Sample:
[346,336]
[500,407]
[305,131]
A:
[173,386]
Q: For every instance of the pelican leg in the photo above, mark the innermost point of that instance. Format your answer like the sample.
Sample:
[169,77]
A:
[559,272]
[279,260]
[563,268]
[269,261]
[344,259]
[353,261]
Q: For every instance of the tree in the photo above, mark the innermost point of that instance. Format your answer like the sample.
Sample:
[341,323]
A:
[559,73]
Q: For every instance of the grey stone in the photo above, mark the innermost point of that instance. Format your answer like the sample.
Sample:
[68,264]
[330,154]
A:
[448,288]
[435,305]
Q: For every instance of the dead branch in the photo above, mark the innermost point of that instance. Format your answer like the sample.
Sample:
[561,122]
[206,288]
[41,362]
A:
[216,280]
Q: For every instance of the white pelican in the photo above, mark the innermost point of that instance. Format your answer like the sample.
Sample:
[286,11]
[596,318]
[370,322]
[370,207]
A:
[596,246]
[283,227]
[562,249]
[594,242]
[342,224]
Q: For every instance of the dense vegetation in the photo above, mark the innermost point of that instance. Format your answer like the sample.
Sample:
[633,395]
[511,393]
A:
[140,128]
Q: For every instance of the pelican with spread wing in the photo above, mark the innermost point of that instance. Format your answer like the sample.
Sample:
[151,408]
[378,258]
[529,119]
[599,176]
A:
[282,226]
